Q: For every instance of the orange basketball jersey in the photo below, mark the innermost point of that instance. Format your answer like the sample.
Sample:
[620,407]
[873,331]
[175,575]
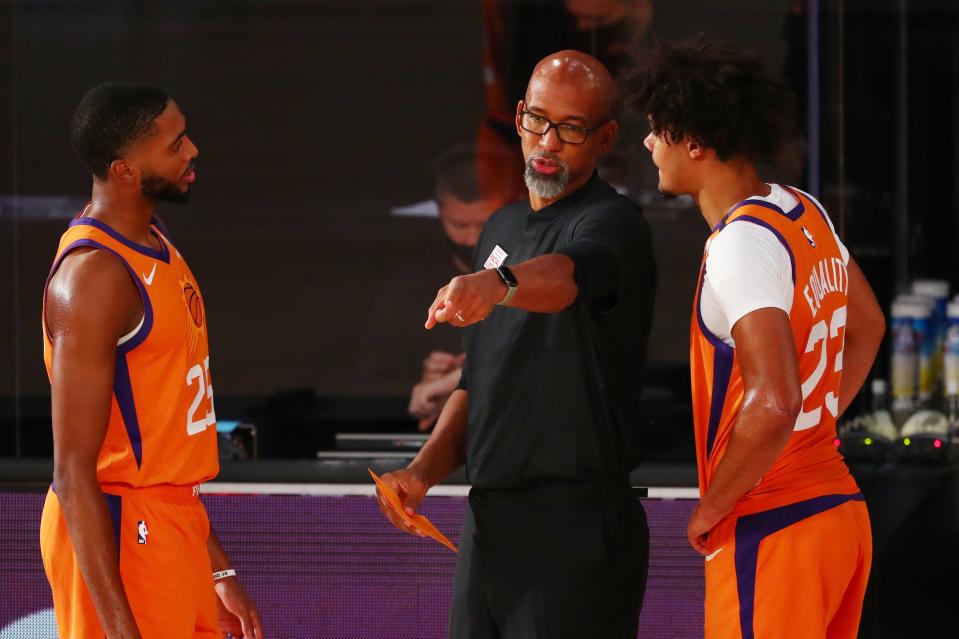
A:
[809,465]
[162,427]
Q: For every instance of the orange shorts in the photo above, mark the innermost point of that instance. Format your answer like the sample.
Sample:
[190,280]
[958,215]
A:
[794,572]
[161,535]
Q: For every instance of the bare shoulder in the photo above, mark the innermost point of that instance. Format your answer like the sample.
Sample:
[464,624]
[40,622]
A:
[91,291]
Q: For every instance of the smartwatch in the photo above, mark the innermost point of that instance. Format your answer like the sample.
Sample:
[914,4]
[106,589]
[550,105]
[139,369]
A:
[511,284]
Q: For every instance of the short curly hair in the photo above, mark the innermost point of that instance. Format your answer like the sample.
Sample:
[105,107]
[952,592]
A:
[714,93]
[111,118]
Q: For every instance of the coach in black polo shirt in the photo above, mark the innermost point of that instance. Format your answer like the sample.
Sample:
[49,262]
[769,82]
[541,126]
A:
[554,544]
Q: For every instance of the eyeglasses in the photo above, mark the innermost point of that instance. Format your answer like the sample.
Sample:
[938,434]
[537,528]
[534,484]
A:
[568,133]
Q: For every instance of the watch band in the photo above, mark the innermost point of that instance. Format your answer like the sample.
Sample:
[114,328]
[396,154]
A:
[512,285]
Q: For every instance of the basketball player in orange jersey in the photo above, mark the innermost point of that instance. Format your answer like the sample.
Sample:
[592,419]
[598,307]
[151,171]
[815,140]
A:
[126,543]
[785,329]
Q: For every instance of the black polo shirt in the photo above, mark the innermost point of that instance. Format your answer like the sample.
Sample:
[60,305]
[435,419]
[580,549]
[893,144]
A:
[554,396]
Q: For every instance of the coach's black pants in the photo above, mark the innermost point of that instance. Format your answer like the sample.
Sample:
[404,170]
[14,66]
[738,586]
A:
[550,562]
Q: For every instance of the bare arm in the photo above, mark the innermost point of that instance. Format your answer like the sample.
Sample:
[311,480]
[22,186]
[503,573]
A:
[772,400]
[444,452]
[865,327]
[546,285]
[238,614]
[91,303]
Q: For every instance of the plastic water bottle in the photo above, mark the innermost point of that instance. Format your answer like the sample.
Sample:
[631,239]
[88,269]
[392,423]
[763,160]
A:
[938,291]
[921,314]
[905,358]
[951,362]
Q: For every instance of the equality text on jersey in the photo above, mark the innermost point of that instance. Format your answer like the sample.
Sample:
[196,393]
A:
[829,275]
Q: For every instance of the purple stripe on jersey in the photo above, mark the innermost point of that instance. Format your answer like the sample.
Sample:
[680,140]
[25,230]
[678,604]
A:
[164,233]
[793,214]
[144,331]
[115,506]
[708,334]
[123,391]
[721,224]
[723,356]
[157,222]
[163,254]
[796,193]
[722,370]
[752,529]
[779,236]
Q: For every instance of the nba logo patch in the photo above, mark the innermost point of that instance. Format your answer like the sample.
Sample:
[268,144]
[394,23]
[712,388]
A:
[142,532]
[809,237]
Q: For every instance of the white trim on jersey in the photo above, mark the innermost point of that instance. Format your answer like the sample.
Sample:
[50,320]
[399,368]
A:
[126,338]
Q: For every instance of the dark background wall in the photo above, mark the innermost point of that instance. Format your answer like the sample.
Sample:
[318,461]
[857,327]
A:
[312,119]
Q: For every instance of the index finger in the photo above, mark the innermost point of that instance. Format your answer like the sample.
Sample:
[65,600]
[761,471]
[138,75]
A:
[431,313]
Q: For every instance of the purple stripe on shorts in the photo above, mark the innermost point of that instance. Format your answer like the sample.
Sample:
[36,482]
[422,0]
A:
[752,529]
[115,506]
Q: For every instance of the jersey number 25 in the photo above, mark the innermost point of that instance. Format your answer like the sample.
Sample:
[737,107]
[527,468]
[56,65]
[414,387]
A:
[201,375]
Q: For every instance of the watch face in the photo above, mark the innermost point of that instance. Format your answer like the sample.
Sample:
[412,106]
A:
[507,276]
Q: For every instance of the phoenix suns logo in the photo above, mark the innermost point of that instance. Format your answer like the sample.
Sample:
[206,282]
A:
[194,309]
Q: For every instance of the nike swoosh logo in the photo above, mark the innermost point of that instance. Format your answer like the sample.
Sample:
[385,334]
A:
[149,280]
[711,555]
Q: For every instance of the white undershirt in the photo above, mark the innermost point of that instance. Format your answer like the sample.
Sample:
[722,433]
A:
[748,268]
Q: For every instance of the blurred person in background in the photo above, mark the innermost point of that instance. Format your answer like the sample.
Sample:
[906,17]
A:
[397,353]
[464,208]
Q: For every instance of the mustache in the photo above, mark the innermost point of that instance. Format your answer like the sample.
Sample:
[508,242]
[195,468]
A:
[544,155]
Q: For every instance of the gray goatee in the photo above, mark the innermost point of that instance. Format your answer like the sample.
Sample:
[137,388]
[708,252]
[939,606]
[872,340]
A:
[547,187]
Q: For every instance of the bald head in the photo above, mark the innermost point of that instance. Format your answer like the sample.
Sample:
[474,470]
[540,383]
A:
[575,69]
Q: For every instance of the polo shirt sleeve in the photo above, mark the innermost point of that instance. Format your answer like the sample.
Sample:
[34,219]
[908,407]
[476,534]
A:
[611,250]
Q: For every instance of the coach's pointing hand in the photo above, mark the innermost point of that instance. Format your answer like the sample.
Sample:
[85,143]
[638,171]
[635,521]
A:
[467,299]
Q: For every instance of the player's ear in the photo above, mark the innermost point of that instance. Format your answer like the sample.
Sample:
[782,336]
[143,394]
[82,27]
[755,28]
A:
[122,172]
[695,149]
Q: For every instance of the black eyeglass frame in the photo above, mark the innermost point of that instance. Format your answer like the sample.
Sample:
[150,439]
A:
[559,127]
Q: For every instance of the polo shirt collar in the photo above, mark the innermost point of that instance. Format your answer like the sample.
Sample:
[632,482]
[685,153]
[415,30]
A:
[569,202]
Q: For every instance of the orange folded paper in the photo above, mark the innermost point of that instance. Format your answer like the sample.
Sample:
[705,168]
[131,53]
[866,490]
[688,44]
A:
[419,522]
